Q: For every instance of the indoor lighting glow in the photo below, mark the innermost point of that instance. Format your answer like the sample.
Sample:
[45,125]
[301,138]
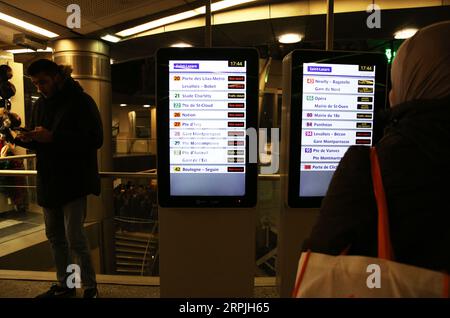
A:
[21,51]
[404,34]
[111,38]
[123,105]
[146,106]
[289,38]
[180,16]
[27,26]
[181,44]
[157,23]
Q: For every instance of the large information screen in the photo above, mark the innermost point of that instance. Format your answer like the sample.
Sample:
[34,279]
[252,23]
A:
[207,127]
[339,94]
[210,102]
[337,113]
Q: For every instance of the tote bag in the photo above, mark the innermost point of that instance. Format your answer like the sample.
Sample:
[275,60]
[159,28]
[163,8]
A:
[321,275]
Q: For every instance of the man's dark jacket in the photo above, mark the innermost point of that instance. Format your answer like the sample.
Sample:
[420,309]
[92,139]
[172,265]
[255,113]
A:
[67,167]
[414,156]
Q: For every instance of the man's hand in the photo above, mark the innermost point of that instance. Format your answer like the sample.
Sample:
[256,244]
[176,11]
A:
[41,134]
[23,136]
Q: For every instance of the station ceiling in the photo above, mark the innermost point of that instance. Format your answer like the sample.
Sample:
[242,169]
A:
[257,23]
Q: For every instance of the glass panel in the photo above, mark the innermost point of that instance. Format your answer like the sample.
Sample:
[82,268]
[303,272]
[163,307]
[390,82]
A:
[266,227]
[135,145]
[19,213]
[123,241]
[136,227]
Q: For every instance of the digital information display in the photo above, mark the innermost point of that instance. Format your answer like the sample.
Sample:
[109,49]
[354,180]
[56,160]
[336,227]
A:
[207,127]
[332,101]
[338,112]
[207,98]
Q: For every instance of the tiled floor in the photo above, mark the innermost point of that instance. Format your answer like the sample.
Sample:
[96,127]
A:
[29,289]
[14,224]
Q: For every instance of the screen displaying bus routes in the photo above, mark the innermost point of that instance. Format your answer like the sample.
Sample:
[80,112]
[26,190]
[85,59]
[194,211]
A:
[337,112]
[207,127]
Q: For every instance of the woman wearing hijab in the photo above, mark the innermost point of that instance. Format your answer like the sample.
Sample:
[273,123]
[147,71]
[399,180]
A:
[414,156]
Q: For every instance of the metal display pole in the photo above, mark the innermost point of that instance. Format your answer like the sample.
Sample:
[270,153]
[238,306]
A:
[208,28]
[330,25]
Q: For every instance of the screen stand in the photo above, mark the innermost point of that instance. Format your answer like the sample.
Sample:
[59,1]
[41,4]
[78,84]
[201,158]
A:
[295,226]
[206,252]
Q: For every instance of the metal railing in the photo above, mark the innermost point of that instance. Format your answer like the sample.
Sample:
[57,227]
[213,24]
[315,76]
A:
[18,157]
[113,174]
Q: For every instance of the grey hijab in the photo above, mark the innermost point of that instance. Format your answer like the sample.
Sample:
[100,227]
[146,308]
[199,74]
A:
[421,69]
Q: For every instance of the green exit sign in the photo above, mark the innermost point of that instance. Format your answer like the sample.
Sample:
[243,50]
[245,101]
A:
[390,55]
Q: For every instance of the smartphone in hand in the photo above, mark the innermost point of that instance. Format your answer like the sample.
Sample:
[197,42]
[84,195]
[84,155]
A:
[23,134]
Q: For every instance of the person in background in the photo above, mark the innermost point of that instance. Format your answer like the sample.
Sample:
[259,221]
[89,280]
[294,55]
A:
[13,187]
[66,131]
[414,156]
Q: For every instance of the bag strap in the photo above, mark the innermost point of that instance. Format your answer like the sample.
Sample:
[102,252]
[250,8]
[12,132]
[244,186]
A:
[384,239]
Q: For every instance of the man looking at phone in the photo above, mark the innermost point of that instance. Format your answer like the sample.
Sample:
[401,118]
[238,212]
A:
[66,131]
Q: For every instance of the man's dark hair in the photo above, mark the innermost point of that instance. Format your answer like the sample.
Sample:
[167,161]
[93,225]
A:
[43,66]
[5,72]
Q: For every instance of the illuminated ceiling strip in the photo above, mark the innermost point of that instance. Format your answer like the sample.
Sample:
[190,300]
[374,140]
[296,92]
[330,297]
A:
[27,26]
[180,16]
[111,38]
[21,51]
[227,4]
[157,23]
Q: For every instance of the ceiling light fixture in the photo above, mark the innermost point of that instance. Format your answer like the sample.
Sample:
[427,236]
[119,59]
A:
[123,105]
[405,33]
[181,44]
[180,16]
[22,51]
[146,106]
[111,38]
[290,38]
[27,26]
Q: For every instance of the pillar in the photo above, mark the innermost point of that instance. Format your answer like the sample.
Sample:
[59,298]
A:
[90,61]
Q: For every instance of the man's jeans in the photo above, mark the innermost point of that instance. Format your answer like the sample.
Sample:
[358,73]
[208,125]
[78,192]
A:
[65,231]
